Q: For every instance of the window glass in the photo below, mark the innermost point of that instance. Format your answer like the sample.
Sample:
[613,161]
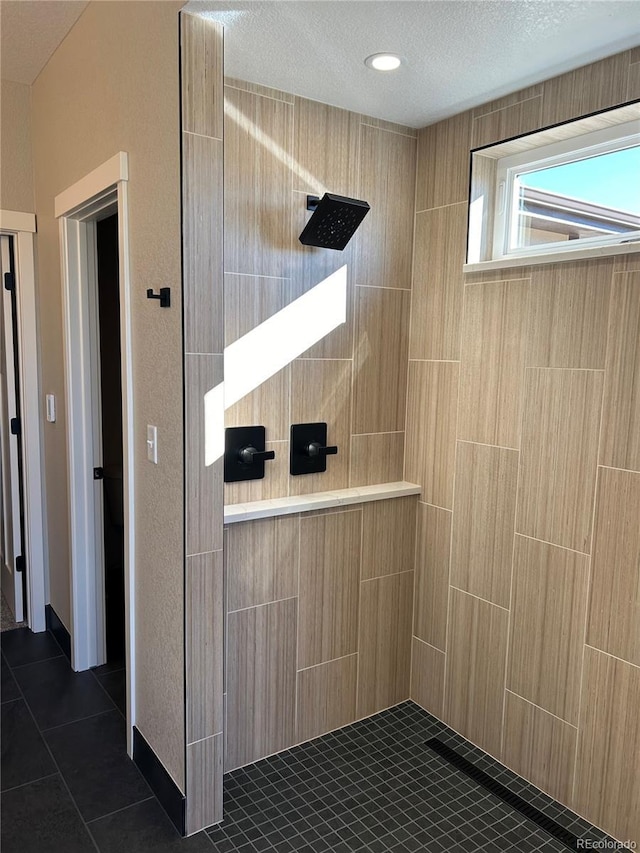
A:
[591,197]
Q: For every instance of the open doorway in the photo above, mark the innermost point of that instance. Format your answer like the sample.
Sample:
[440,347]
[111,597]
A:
[93,220]
[12,520]
[111,437]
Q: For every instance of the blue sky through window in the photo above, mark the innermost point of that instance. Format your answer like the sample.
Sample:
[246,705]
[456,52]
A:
[611,179]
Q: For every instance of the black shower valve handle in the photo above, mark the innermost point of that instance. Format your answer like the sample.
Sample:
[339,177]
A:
[314,448]
[249,455]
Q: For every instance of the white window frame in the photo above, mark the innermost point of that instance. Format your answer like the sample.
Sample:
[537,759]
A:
[605,141]
[568,140]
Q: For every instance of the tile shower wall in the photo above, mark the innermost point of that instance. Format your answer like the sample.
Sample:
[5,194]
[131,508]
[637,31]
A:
[318,623]
[523,428]
[202,132]
[278,148]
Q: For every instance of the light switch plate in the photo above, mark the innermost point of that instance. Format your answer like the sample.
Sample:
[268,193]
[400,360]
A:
[152,444]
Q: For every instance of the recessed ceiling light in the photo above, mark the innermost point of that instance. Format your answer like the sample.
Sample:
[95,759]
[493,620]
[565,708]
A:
[383,61]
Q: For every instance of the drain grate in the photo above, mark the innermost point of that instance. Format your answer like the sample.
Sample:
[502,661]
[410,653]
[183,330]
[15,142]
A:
[499,790]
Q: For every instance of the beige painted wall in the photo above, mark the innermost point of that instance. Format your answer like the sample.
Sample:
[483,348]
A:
[16,168]
[522,428]
[99,94]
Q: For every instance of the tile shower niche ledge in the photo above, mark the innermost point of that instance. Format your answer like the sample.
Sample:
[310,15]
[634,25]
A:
[319,500]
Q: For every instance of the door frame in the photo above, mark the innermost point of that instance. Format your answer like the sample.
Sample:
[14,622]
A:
[22,227]
[102,192]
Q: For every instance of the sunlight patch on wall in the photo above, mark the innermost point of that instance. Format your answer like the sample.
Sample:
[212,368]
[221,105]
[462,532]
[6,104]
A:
[265,350]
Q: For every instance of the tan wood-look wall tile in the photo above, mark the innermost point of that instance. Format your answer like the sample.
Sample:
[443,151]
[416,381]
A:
[431,426]
[547,626]
[633,83]
[558,457]
[539,747]
[325,149]
[512,120]
[443,162]
[268,405]
[388,537]
[261,682]
[607,780]
[391,126]
[201,49]
[204,492]
[321,392]
[310,266]
[329,584]
[380,368]
[204,782]
[387,182]
[384,642]
[493,358]
[274,485]
[614,606]
[507,274]
[568,311]
[484,521]
[626,263]
[431,592]
[250,300]
[257,89]
[202,243]
[427,677]
[257,184]
[438,284]
[376,458]
[508,100]
[326,697]
[620,441]
[262,561]
[204,645]
[474,680]
[586,90]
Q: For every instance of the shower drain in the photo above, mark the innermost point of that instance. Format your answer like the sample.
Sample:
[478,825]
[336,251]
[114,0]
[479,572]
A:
[479,776]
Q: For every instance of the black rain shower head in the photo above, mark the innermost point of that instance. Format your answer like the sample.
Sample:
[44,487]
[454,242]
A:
[334,221]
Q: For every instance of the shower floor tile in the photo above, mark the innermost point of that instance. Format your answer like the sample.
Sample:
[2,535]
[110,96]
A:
[375,786]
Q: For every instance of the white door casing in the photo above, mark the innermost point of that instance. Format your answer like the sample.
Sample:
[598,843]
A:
[99,194]
[21,227]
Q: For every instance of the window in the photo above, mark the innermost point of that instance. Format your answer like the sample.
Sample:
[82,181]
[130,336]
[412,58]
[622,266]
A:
[549,194]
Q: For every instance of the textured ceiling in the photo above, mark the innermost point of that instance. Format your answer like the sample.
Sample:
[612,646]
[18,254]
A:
[458,53]
[30,32]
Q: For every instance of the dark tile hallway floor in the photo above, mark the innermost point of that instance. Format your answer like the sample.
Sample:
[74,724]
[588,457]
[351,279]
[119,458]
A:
[68,786]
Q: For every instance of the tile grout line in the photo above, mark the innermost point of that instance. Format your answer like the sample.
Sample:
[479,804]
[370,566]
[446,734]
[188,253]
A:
[117,811]
[540,708]
[81,719]
[574,780]
[30,782]
[505,689]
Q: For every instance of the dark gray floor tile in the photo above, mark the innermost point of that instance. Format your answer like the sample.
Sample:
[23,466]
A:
[25,757]
[115,683]
[22,646]
[145,828]
[57,695]
[92,757]
[8,689]
[41,818]
[110,666]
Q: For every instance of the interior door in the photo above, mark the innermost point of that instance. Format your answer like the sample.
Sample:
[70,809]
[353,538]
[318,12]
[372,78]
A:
[13,563]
